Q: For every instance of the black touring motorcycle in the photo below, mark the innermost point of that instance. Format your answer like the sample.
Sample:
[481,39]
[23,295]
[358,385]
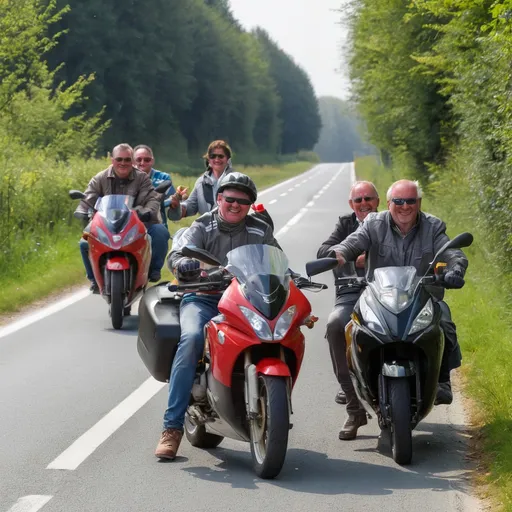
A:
[395,344]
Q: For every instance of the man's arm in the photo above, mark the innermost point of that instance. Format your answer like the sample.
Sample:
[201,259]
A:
[336,237]
[92,192]
[194,235]
[356,243]
[148,198]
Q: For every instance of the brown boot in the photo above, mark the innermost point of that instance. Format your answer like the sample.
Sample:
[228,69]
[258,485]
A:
[352,423]
[169,444]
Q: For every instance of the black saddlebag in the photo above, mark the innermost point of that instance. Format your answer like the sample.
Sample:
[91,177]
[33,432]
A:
[159,330]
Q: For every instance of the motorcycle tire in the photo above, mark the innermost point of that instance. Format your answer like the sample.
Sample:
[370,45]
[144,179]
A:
[116,299]
[399,394]
[269,432]
[198,437]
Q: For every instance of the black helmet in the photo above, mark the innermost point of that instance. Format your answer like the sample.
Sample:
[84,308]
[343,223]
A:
[240,182]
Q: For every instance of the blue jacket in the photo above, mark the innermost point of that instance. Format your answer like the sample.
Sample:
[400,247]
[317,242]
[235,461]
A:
[156,178]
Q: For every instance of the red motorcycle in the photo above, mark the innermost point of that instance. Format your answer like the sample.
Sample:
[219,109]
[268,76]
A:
[253,350]
[119,251]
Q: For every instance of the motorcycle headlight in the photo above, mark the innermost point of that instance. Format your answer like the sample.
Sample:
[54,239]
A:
[284,322]
[103,237]
[132,235]
[395,300]
[424,318]
[370,317]
[258,323]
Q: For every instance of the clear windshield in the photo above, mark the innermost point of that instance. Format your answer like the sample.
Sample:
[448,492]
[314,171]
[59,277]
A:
[262,271]
[394,287]
[115,209]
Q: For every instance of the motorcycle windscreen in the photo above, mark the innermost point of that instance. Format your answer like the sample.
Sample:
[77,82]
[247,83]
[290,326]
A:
[115,210]
[394,287]
[262,271]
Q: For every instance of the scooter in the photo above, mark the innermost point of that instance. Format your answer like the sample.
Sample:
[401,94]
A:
[119,251]
[395,344]
[253,349]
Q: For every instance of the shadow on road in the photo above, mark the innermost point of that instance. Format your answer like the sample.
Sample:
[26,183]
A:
[313,472]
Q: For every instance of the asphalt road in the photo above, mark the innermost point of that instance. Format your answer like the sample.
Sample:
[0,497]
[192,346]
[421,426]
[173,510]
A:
[80,417]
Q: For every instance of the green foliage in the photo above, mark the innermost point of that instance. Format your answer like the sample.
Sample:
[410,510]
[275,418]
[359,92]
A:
[340,137]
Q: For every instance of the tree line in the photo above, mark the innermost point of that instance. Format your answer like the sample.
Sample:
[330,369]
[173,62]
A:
[432,81]
[179,74]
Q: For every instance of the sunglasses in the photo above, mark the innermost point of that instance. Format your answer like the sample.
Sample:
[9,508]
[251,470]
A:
[400,202]
[121,159]
[240,201]
[213,156]
[360,199]
[146,159]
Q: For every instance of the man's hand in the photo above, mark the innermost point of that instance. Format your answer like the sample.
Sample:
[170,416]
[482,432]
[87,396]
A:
[143,216]
[180,195]
[340,258]
[453,279]
[361,259]
[188,269]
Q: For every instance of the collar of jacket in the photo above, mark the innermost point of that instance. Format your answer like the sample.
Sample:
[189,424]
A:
[396,229]
[111,174]
[209,171]
[229,227]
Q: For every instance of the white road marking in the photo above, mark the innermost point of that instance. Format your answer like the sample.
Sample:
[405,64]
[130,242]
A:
[284,194]
[310,204]
[85,445]
[316,196]
[42,313]
[291,222]
[273,201]
[30,503]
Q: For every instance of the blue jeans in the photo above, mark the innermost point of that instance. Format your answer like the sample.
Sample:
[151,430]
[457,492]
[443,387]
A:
[195,312]
[159,245]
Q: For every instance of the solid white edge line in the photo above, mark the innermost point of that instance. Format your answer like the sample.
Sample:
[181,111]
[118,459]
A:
[87,443]
[42,313]
[31,503]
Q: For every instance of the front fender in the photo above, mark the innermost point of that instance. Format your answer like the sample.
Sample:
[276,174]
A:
[273,366]
[397,369]
[118,263]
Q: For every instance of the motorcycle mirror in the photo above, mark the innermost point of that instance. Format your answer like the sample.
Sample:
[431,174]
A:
[76,194]
[462,240]
[321,265]
[163,187]
[191,251]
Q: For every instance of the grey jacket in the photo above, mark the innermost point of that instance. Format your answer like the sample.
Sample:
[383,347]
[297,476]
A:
[386,246]
[138,185]
[211,233]
[203,197]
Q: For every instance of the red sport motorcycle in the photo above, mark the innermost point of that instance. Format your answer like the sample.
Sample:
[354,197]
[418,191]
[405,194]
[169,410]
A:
[253,349]
[119,251]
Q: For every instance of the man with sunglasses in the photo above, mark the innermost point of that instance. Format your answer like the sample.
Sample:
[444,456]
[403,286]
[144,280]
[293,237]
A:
[363,200]
[402,236]
[227,226]
[121,177]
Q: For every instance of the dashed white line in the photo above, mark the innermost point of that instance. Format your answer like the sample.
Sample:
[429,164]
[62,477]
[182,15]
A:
[310,204]
[291,189]
[284,194]
[31,503]
[73,456]
[273,201]
[316,196]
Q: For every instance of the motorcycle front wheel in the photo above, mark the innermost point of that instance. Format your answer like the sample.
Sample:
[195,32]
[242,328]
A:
[116,299]
[269,431]
[399,394]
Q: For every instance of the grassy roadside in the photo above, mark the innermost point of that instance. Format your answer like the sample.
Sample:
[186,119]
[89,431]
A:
[482,313]
[54,263]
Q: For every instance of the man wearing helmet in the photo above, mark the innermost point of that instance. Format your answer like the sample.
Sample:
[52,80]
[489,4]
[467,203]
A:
[218,232]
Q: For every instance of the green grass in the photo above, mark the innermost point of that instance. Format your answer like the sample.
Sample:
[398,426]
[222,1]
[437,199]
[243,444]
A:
[43,265]
[482,313]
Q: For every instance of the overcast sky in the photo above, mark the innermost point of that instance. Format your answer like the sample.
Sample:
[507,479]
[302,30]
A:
[308,30]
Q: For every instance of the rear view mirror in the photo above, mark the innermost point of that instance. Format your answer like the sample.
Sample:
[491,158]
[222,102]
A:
[163,187]
[76,194]
[462,240]
[191,251]
[322,265]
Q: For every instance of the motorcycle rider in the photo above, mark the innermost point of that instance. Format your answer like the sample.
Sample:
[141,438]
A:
[121,177]
[363,199]
[404,235]
[144,161]
[219,231]
[202,198]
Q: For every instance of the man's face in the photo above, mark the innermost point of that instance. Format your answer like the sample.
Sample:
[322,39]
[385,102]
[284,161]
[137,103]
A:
[144,160]
[122,162]
[404,214]
[231,210]
[363,200]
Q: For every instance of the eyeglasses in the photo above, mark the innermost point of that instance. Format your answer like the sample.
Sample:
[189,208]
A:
[213,156]
[360,199]
[239,200]
[146,159]
[400,202]
[121,159]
